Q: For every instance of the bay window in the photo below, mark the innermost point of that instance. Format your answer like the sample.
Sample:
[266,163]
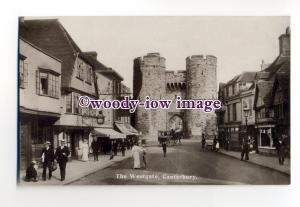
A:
[47,83]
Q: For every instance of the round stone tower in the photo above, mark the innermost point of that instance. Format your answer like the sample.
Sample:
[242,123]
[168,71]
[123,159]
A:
[149,79]
[201,82]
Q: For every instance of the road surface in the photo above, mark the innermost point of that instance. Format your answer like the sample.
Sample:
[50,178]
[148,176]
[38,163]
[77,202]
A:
[185,164]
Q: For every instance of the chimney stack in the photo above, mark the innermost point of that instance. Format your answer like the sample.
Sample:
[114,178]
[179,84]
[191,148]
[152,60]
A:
[284,43]
[92,54]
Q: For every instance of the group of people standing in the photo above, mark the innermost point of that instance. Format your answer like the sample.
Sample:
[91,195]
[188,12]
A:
[48,158]
[111,147]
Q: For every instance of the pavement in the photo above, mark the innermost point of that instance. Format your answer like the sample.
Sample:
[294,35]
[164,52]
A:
[262,160]
[75,170]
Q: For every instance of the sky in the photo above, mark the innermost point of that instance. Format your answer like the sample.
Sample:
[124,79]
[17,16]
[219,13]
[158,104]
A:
[239,43]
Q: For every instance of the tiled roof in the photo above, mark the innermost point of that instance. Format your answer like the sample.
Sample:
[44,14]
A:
[93,61]
[280,65]
[111,72]
[50,35]
[234,79]
[247,77]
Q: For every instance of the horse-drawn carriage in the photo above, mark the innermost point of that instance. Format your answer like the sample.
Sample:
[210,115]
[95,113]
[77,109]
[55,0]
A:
[210,142]
[170,137]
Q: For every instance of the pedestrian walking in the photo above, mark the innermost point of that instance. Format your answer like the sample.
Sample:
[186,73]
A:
[136,153]
[217,145]
[245,148]
[123,148]
[115,148]
[31,172]
[226,143]
[144,158]
[214,143]
[131,143]
[85,151]
[203,141]
[180,134]
[281,148]
[164,147]
[128,144]
[61,155]
[95,147]
[47,157]
[110,149]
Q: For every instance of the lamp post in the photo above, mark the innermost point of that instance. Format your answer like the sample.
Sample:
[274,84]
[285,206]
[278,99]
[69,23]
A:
[246,113]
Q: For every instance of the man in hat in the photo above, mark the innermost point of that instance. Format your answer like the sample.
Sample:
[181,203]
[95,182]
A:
[281,145]
[95,146]
[61,155]
[245,148]
[47,159]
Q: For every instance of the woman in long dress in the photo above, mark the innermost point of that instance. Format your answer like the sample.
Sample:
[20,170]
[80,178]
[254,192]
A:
[136,154]
[85,151]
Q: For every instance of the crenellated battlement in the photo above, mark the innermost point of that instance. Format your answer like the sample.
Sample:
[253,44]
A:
[153,60]
[201,59]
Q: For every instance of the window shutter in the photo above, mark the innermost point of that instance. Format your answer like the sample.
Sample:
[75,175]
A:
[38,82]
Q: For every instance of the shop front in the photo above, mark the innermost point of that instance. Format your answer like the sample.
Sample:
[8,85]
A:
[74,137]
[132,135]
[35,128]
[105,137]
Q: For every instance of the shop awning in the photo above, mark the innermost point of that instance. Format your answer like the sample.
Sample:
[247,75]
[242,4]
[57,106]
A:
[108,132]
[127,129]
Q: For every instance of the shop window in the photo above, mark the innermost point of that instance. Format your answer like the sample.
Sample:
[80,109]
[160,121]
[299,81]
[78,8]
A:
[266,138]
[42,131]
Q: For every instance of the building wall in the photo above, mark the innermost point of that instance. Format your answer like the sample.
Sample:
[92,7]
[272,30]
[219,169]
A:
[151,77]
[249,102]
[105,89]
[201,84]
[82,84]
[36,59]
